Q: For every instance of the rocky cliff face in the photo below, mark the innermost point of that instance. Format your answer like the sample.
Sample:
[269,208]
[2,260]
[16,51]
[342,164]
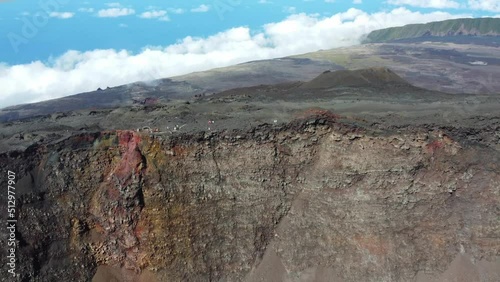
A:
[313,200]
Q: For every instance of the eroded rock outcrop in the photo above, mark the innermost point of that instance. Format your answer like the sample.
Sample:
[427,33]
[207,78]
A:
[313,200]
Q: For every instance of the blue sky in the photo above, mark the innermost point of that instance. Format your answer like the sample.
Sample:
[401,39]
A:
[53,48]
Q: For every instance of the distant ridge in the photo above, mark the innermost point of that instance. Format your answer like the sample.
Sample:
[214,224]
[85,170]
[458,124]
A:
[355,78]
[456,27]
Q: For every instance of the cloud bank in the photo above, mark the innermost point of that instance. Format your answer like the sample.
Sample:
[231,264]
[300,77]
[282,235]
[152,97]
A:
[115,12]
[76,71]
[485,5]
[61,15]
[155,14]
[427,3]
[201,9]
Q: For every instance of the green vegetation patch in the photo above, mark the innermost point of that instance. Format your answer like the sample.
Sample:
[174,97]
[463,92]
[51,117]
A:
[482,26]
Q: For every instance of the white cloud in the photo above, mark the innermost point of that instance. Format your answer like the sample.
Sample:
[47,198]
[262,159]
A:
[76,72]
[176,10]
[61,15]
[115,12]
[114,4]
[485,5]
[357,1]
[201,9]
[86,10]
[155,14]
[439,4]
